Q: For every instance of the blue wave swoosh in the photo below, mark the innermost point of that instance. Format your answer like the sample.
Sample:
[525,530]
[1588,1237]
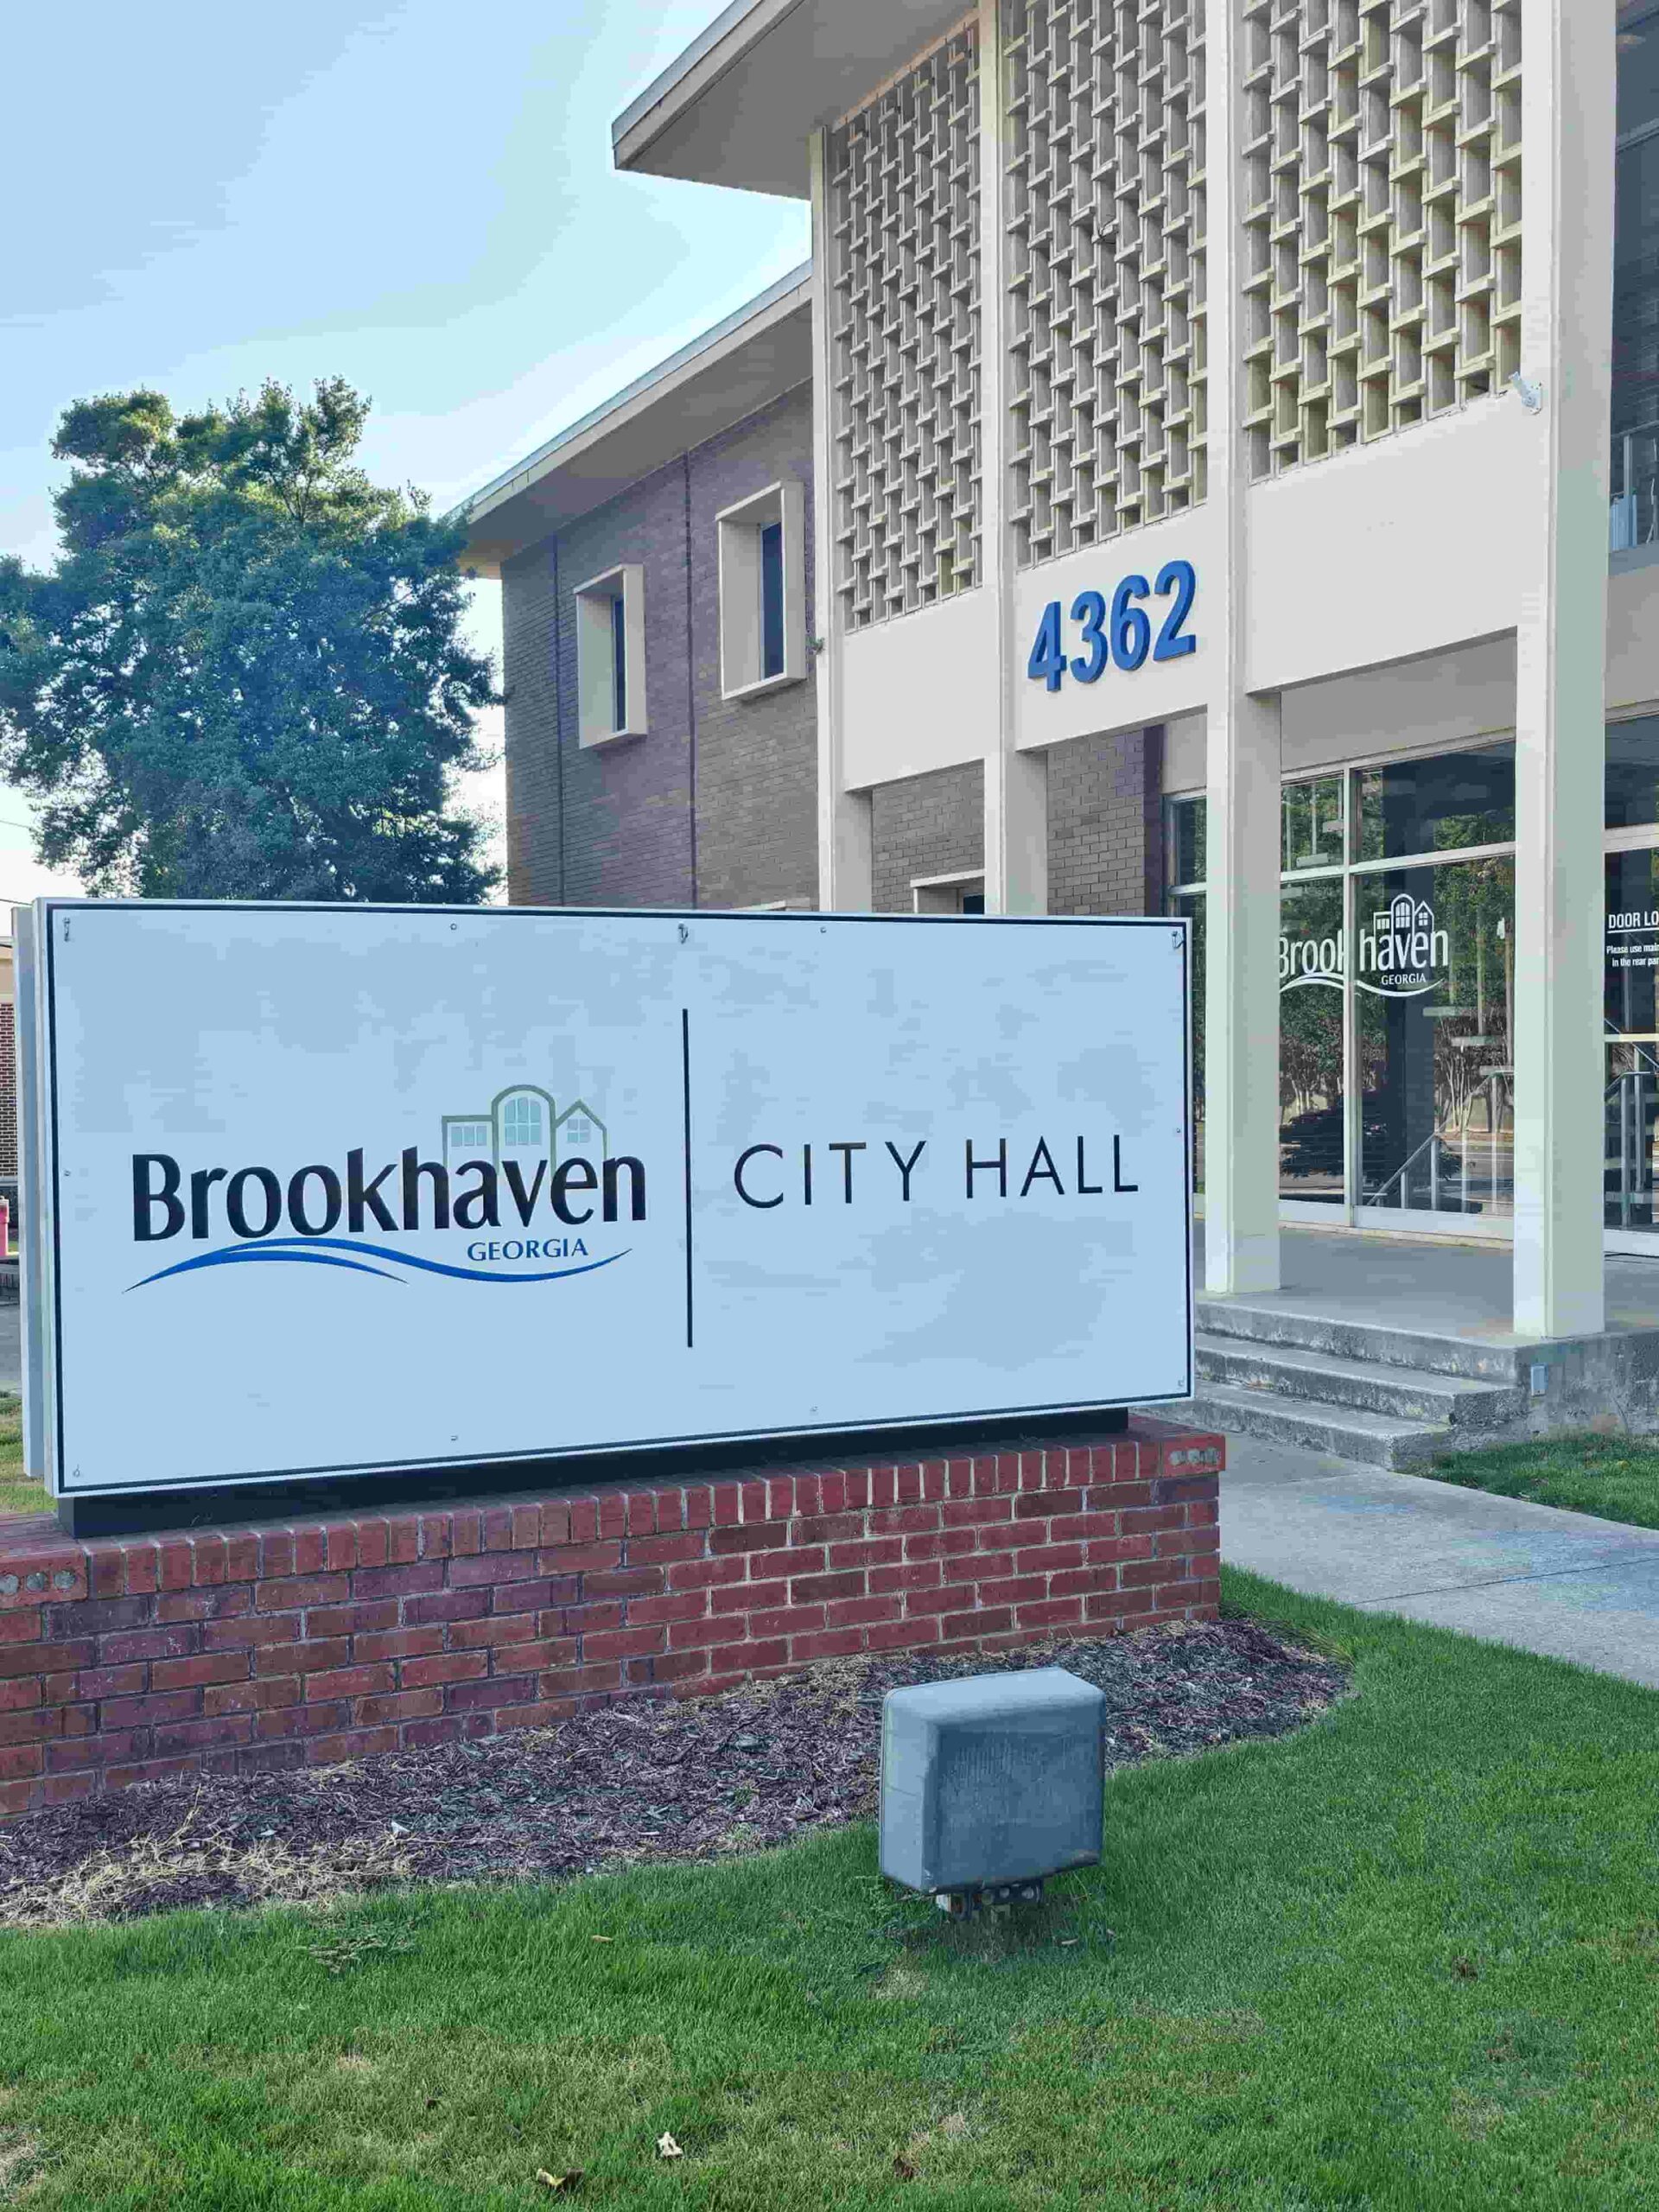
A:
[316,1250]
[258,1252]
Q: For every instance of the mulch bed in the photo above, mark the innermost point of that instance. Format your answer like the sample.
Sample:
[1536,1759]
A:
[643,1780]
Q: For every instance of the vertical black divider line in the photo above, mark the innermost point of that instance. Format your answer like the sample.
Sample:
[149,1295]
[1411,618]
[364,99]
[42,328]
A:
[685,1082]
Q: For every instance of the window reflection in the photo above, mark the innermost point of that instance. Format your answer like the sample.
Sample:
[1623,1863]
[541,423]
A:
[1433,981]
[1633,773]
[1631,980]
[1312,1121]
[1314,816]
[1187,818]
[1441,804]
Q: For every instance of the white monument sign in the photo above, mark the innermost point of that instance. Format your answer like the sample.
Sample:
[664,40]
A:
[319,1191]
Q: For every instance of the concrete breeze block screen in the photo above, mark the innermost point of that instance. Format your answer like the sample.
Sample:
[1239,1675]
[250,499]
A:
[996,1778]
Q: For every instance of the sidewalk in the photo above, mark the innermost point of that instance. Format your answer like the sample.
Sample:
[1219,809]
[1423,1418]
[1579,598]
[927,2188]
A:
[1565,1584]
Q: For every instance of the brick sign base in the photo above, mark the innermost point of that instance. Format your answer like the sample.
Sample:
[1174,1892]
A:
[239,1648]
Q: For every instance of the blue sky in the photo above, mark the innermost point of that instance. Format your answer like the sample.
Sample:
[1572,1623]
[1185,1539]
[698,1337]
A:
[416,197]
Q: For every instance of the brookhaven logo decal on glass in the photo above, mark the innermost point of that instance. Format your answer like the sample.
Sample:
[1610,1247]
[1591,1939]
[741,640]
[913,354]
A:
[1398,954]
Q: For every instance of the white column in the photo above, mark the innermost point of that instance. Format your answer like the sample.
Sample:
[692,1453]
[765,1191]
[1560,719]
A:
[1241,1190]
[1568,130]
[1016,784]
[845,856]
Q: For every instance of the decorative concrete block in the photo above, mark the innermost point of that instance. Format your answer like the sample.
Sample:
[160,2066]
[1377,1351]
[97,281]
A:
[996,1778]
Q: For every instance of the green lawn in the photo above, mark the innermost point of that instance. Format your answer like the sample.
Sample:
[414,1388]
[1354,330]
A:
[1617,1476]
[1407,1958]
[17,1494]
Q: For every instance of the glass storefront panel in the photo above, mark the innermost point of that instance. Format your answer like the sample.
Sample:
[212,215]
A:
[1636,289]
[1633,773]
[1192,905]
[1312,1122]
[1434,973]
[1426,958]
[1186,859]
[1314,818]
[1440,805]
[1631,1009]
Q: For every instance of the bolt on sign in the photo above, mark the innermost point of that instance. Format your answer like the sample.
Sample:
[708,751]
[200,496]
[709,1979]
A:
[315,1191]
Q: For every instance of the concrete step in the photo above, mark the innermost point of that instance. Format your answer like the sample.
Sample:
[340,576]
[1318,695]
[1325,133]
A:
[1372,1342]
[1347,1432]
[1403,1393]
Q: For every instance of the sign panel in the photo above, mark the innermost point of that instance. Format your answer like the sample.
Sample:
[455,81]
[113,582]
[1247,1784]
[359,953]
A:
[1632,943]
[354,1190]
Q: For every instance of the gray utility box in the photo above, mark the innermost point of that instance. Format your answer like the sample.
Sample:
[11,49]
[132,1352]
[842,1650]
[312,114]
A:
[995,1778]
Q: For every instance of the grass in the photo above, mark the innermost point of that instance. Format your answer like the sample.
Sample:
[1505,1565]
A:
[1407,1958]
[18,1493]
[1617,1476]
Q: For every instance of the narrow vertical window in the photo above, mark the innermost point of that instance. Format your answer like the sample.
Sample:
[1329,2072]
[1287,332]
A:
[763,590]
[618,664]
[611,654]
[771,600]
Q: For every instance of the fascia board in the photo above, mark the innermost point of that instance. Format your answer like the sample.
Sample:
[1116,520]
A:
[754,357]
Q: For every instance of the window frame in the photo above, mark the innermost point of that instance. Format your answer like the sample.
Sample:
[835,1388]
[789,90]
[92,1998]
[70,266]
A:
[596,600]
[742,583]
[942,894]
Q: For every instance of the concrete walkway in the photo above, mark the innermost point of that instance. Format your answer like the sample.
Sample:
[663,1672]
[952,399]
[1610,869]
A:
[1427,1286]
[1563,1584]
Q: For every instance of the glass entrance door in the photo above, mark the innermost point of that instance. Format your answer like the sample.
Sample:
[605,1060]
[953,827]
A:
[1434,985]
[1630,1013]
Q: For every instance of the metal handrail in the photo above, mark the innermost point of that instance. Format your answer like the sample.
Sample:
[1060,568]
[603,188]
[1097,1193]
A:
[1615,1035]
[1619,1085]
[1631,1183]
[1379,1195]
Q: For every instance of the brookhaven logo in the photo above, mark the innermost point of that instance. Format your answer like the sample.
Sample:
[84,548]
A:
[514,1164]
[1401,950]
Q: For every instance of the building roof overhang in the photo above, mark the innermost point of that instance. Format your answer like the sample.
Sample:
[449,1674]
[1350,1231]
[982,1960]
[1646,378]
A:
[729,373]
[738,105]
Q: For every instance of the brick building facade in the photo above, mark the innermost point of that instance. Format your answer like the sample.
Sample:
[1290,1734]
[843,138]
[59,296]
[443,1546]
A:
[716,803]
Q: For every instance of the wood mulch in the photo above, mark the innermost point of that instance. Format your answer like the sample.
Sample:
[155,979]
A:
[642,1780]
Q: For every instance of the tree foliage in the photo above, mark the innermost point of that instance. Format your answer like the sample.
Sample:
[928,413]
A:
[244,678]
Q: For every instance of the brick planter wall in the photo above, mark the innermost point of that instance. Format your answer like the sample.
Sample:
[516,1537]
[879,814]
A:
[125,1659]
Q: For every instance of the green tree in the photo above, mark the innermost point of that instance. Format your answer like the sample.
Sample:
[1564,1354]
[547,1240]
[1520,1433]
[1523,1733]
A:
[244,677]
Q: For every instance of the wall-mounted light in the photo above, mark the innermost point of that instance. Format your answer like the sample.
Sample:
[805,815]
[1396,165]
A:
[1530,394]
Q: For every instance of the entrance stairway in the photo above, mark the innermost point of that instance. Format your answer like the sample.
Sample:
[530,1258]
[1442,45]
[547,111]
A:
[1390,1397]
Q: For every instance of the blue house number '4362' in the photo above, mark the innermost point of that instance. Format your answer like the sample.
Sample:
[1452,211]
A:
[1120,632]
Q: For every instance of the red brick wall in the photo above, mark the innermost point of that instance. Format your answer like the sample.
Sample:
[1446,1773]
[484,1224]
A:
[1105,824]
[8,1088]
[124,1659]
[922,826]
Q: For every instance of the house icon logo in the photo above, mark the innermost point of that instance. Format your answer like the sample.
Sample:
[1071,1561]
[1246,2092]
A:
[1404,954]
[525,1124]
[1404,916]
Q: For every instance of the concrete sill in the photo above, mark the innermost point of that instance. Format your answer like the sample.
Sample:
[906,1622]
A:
[766,684]
[590,739]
